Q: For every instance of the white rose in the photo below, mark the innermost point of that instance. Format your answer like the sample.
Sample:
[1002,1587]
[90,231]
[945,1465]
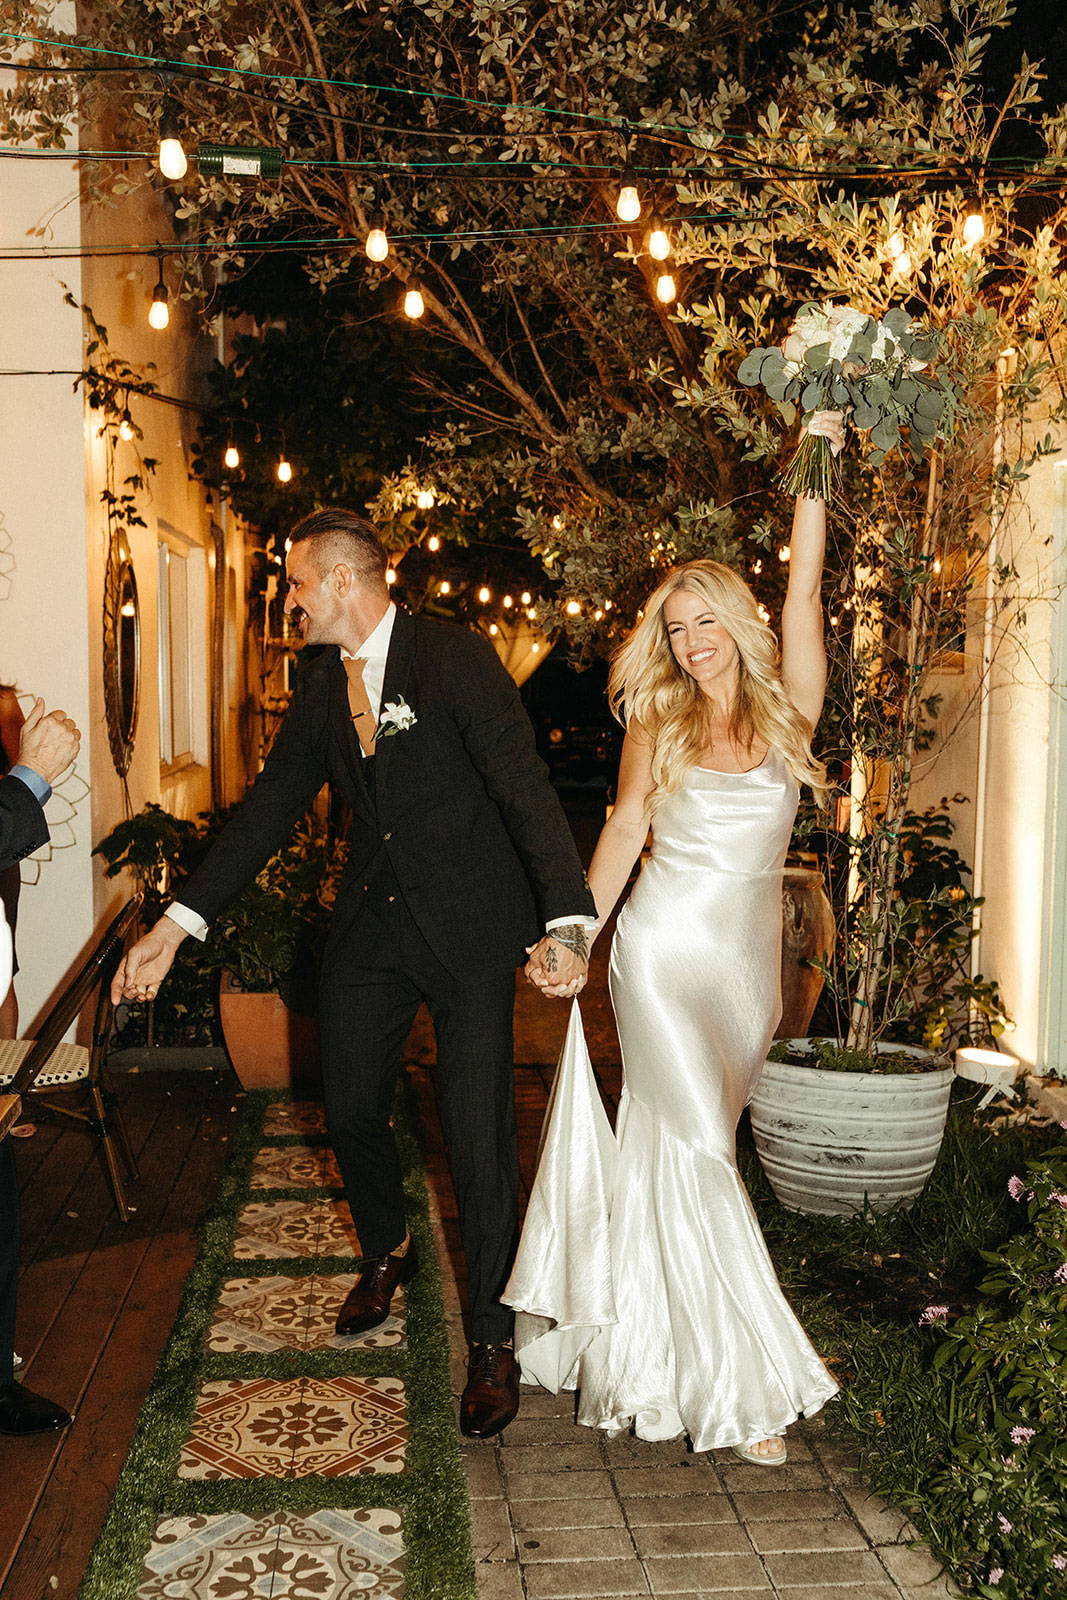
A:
[845,323]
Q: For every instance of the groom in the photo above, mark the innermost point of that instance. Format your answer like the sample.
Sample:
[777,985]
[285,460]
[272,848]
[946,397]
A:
[459,859]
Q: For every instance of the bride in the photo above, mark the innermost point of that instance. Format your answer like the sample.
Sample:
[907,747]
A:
[718,741]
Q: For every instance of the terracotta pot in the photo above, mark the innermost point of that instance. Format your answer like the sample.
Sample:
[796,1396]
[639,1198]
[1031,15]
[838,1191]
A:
[807,933]
[269,1046]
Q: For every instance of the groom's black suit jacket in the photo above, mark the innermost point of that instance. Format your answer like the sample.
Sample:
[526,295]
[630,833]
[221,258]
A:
[460,806]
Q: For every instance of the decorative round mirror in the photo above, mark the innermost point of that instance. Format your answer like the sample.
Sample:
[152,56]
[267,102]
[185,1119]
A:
[122,654]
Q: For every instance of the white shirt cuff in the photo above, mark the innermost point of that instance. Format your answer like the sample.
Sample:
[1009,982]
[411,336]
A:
[191,921]
[589,923]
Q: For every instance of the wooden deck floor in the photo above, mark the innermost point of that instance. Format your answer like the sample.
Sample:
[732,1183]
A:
[96,1303]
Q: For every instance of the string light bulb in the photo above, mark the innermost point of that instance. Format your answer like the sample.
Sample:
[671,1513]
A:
[507,602]
[445,588]
[433,543]
[573,608]
[377,241]
[628,203]
[484,595]
[902,265]
[493,629]
[659,240]
[390,576]
[895,245]
[666,288]
[159,310]
[973,227]
[607,605]
[526,597]
[414,304]
[126,427]
[783,552]
[425,499]
[536,648]
[173,163]
[232,458]
[284,470]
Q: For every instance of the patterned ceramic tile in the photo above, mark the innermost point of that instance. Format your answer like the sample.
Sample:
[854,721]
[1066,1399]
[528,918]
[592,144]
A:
[295,1166]
[325,1555]
[293,1314]
[293,1428]
[271,1230]
[294,1116]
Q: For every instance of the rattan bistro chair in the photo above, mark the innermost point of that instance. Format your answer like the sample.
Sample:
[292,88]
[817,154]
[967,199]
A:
[33,1070]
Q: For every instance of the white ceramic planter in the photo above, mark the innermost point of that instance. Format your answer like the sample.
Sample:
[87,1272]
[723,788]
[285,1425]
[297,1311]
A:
[831,1142]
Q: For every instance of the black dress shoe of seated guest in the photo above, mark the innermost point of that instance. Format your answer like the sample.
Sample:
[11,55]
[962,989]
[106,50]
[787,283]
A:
[491,1397]
[367,1302]
[22,1412]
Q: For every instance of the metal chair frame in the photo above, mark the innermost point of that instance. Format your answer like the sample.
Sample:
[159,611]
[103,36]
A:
[100,1114]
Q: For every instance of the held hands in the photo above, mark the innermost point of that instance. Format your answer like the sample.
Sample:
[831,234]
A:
[559,963]
[829,425]
[145,964]
[48,742]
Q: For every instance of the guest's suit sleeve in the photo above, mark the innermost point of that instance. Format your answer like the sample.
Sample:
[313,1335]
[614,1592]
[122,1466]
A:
[499,739]
[22,822]
[292,775]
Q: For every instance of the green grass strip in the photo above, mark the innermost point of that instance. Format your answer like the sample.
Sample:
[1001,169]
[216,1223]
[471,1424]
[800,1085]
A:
[431,1492]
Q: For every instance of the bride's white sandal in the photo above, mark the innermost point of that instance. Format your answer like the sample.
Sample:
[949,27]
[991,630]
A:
[747,1452]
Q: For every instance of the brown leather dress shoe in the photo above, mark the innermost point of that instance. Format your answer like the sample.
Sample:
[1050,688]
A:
[491,1397]
[367,1302]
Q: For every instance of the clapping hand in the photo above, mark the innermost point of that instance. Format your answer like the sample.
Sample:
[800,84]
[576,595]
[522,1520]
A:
[559,963]
[48,742]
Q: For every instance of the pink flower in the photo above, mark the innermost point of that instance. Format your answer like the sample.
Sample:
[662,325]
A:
[1059,1198]
[1005,1525]
[995,1575]
[1015,1186]
[1059,1562]
[1021,1435]
[933,1314]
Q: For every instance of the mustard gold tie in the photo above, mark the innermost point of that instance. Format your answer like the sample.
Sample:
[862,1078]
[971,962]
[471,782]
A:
[359,706]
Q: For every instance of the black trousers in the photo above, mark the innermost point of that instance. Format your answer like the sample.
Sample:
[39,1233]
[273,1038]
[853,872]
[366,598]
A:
[378,970]
[9,1259]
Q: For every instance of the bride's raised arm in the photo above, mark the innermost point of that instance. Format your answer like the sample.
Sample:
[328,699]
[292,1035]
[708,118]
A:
[803,649]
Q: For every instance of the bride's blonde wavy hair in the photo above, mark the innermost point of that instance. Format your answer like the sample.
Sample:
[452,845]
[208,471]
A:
[647,685]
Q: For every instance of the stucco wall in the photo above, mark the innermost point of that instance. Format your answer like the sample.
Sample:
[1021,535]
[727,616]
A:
[1004,757]
[51,477]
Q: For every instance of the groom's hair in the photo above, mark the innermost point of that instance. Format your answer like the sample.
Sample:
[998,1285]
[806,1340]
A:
[340,535]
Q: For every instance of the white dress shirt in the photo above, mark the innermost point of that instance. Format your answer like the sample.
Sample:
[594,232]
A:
[373,652]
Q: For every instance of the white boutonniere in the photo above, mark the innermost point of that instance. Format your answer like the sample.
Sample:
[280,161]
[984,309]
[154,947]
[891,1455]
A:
[396,717]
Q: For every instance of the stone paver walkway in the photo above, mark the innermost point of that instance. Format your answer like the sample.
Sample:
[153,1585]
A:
[560,1512]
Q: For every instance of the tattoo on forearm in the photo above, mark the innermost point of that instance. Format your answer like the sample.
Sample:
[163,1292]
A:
[573,937]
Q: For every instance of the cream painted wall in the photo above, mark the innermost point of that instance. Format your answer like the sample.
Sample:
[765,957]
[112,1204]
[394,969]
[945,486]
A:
[51,477]
[45,636]
[1010,832]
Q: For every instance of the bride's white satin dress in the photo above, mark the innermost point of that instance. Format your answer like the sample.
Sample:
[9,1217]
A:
[642,1278]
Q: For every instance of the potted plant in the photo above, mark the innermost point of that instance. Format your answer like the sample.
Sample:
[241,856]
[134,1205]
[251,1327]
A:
[267,949]
[261,956]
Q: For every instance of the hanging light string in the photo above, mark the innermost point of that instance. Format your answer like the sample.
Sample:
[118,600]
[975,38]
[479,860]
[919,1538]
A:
[491,169]
[195,73]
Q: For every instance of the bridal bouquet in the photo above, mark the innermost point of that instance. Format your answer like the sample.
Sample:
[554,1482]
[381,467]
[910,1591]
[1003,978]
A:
[836,358]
